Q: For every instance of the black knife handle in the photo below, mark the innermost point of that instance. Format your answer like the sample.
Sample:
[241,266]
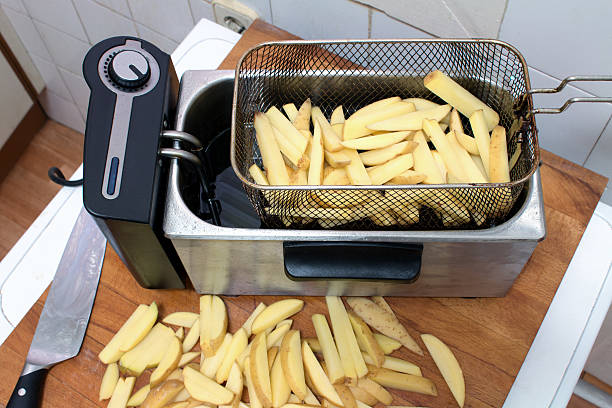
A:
[28,391]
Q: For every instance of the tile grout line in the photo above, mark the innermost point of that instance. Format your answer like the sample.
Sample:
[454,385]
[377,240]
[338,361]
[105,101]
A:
[557,79]
[81,21]
[603,130]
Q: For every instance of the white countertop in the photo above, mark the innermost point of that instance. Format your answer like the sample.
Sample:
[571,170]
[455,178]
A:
[558,352]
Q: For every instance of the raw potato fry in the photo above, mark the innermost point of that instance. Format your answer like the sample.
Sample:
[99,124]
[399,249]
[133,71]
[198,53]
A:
[272,353]
[394,364]
[327,346]
[318,377]
[163,394]
[314,344]
[235,384]
[279,121]
[249,322]
[499,171]
[376,106]
[448,154]
[345,339]
[111,353]
[383,155]
[377,141]
[388,344]
[356,171]
[447,364]
[180,333]
[478,162]
[276,312]
[270,152]
[299,177]
[454,122]
[139,329]
[515,156]
[337,159]
[192,337]
[291,111]
[121,393]
[293,399]
[408,177]
[424,161]
[109,381]
[204,389]
[180,404]
[212,334]
[176,375]
[139,396]
[404,382]
[460,98]
[375,390]
[366,339]
[441,166]
[210,365]
[310,398]
[289,151]
[292,362]
[384,322]
[315,171]
[280,387]
[472,172]
[412,120]
[421,104]
[149,352]
[481,134]
[253,400]
[468,143]
[357,125]
[302,120]
[168,363]
[348,399]
[337,177]
[258,176]
[337,117]
[276,336]
[394,167]
[363,396]
[188,358]
[331,140]
[236,347]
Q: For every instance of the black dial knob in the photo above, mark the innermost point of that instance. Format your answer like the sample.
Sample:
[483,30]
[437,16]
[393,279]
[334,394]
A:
[129,69]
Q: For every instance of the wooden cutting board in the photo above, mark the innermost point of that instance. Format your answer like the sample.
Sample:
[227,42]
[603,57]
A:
[490,337]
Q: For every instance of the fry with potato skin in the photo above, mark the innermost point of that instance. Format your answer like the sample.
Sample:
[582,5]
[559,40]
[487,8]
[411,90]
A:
[331,140]
[380,156]
[366,339]
[291,357]
[393,168]
[481,134]
[302,120]
[270,152]
[499,171]
[315,171]
[279,121]
[357,125]
[424,161]
[448,365]
[335,372]
[291,111]
[412,120]
[404,382]
[437,136]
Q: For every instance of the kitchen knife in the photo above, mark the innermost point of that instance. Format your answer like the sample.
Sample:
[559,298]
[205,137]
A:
[64,318]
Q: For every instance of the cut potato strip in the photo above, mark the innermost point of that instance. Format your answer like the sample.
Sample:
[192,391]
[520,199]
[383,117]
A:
[499,170]
[291,111]
[302,120]
[356,171]
[212,334]
[182,319]
[121,393]
[149,352]
[204,389]
[210,365]
[393,168]
[470,169]
[412,120]
[383,155]
[331,140]
[454,122]
[460,98]
[327,346]
[515,156]
[394,364]
[270,152]
[441,165]
[424,161]
[188,358]
[408,177]
[289,151]
[192,337]
[315,171]
[139,396]
[438,138]
[276,312]
[111,353]
[421,104]
[375,106]
[291,357]
[279,121]
[366,340]
[258,176]
[383,321]
[168,363]
[259,370]
[337,177]
[278,383]
[468,142]
[348,399]
[337,117]
[358,126]
[109,381]
[373,388]
[363,396]
[404,382]
[337,159]
[481,134]
[317,376]
[236,347]
[377,141]
[249,321]
[448,365]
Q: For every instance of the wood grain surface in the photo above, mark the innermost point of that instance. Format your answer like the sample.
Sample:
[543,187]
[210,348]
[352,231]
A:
[490,337]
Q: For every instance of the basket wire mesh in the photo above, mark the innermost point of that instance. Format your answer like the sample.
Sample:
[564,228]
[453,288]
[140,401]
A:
[354,74]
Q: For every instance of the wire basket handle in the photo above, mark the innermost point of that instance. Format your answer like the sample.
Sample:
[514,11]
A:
[577,78]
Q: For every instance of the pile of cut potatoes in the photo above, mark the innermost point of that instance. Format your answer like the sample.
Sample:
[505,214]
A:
[347,365]
[384,142]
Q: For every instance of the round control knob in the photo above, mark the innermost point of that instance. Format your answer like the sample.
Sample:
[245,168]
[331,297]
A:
[129,69]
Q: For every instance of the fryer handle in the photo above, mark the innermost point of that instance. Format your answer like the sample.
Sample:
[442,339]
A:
[364,261]
[577,78]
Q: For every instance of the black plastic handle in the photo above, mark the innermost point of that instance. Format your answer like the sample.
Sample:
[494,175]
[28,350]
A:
[28,391]
[368,261]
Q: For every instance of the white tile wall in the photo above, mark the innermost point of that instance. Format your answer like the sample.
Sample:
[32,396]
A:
[62,110]
[331,19]
[563,38]
[557,39]
[101,23]
[59,14]
[383,26]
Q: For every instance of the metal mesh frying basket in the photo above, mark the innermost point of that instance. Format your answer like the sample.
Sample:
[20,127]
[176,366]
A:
[354,74]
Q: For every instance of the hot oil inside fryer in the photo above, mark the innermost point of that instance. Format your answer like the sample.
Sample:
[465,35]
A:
[208,117]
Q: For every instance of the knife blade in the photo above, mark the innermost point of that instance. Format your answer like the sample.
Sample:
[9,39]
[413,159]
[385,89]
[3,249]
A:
[64,318]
